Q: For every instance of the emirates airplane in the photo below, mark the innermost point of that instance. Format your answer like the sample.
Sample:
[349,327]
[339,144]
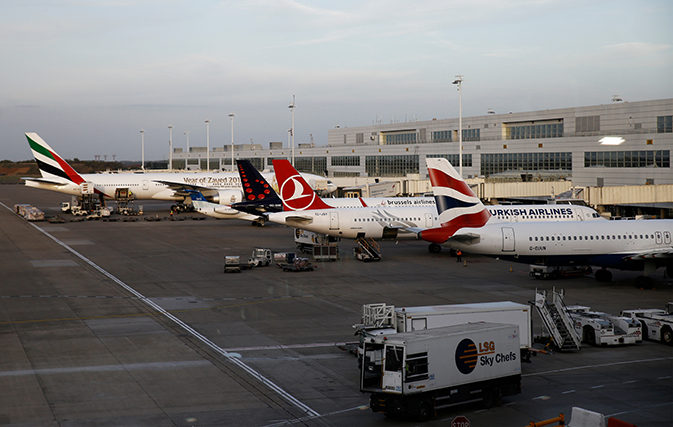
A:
[466,224]
[220,187]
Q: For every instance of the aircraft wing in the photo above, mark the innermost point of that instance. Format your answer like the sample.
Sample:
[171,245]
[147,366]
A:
[304,219]
[183,189]
[45,181]
[651,254]
[467,238]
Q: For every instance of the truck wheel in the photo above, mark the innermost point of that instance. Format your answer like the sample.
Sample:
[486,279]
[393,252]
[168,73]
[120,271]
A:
[589,335]
[489,398]
[426,411]
[667,335]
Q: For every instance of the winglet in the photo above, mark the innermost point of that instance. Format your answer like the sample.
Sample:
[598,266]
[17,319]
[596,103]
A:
[457,204]
[295,192]
[51,164]
[364,205]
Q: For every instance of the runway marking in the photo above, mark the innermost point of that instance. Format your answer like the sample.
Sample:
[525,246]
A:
[290,346]
[597,366]
[107,368]
[259,377]
[664,378]
[598,386]
[631,382]
[569,391]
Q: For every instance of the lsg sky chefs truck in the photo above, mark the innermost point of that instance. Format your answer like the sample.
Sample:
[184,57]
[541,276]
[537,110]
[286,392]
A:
[417,373]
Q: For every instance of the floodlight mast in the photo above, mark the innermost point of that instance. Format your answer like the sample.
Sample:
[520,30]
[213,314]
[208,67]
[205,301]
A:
[459,81]
[207,145]
[142,143]
[233,169]
[292,106]
[170,148]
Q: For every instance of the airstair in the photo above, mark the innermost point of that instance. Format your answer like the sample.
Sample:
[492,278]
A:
[557,321]
[367,249]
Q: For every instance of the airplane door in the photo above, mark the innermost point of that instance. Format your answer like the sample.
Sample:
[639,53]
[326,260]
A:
[658,238]
[578,213]
[507,239]
[428,220]
[334,220]
[667,237]
[146,185]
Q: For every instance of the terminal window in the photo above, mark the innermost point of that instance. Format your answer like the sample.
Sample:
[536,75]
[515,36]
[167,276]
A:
[627,159]
[665,124]
[314,165]
[345,160]
[453,159]
[442,136]
[391,165]
[502,162]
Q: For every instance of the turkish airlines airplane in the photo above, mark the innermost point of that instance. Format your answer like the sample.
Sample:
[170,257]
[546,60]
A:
[466,225]
[378,218]
[221,187]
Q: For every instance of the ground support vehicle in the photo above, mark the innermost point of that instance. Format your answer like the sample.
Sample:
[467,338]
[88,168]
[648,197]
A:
[306,240]
[598,328]
[657,324]
[232,264]
[261,257]
[298,264]
[325,253]
[382,318]
[417,373]
[557,272]
[367,250]
[556,320]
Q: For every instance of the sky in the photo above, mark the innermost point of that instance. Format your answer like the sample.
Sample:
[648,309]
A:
[88,75]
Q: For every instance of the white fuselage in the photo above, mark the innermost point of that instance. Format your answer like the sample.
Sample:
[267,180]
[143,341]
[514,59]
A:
[376,222]
[604,243]
[148,186]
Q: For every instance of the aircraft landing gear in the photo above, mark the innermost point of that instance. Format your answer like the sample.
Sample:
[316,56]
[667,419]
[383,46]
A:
[644,282]
[603,275]
[434,248]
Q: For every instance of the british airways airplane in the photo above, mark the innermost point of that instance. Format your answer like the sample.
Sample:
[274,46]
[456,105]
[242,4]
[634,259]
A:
[466,225]
[376,218]
[57,175]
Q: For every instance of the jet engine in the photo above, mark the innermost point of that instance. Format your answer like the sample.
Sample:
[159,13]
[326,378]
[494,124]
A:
[225,197]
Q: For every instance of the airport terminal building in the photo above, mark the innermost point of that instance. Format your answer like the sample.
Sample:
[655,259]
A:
[621,143]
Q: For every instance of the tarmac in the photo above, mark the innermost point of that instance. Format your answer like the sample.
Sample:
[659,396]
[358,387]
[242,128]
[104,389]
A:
[134,323]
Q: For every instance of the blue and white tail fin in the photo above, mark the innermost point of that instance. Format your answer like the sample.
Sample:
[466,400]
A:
[52,167]
[457,205]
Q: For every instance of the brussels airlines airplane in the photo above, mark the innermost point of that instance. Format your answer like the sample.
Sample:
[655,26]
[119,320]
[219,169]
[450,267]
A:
[58,175]
[466,225]
[302,208]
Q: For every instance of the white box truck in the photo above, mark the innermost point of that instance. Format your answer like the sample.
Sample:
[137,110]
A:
[378,318]
[417,373]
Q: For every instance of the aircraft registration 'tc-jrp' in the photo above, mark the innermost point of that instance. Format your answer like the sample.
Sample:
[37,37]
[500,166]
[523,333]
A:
[643,245]
[221,187]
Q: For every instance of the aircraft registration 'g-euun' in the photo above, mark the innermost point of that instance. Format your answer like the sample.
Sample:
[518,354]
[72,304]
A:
[466,225]
[220,187]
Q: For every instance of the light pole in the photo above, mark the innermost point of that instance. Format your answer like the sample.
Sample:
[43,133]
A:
[208,145]
[459,81]
[232,141]
[170,147]
[187,133]
[142,143]
[292,106]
